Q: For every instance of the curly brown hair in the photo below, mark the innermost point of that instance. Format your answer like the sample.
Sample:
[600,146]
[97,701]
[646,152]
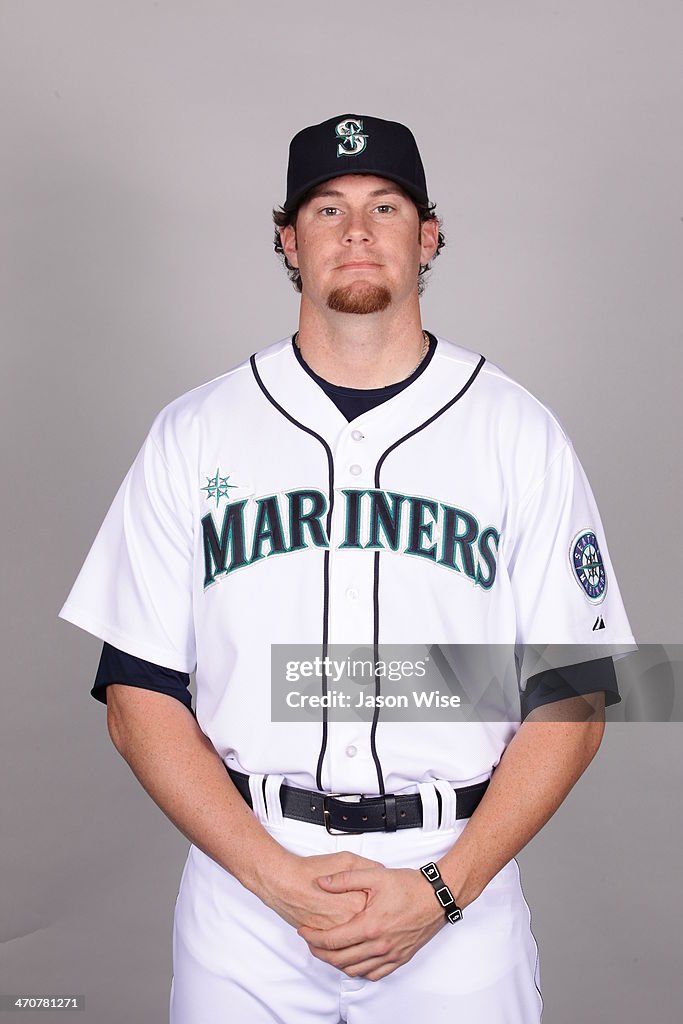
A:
[283,218]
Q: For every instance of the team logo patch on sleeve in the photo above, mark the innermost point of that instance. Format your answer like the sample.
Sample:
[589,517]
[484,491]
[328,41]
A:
[587,565]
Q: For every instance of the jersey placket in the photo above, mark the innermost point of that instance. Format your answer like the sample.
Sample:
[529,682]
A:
[349,763]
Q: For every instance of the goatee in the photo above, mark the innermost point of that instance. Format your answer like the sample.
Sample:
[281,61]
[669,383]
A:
[359,298]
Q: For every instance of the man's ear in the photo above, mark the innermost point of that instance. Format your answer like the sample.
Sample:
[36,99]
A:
[288,243]
[429,233]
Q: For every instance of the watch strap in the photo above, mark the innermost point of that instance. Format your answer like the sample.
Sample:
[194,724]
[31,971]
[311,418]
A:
[443,893]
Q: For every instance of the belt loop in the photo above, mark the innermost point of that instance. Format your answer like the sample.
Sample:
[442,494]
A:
[430,809]
[448,804]
[273,802]
[390,812]
[258,803]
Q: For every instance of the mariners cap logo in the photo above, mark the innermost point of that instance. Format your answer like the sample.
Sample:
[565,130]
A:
[354,139]
[587,565]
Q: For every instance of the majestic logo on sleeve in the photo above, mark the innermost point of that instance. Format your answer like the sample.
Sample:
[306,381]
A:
[354,140]
[587,565]
[372,520]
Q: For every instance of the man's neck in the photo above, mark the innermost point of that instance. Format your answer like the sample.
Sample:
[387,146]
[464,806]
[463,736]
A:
[370,350]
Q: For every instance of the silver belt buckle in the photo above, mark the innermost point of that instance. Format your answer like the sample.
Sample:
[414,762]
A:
[326,813]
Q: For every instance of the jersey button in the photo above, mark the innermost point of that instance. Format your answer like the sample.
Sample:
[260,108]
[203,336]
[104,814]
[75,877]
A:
[357,435]
[351,751]
[352,594]
[356,470]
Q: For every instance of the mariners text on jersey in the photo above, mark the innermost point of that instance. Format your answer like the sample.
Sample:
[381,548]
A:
[375,519]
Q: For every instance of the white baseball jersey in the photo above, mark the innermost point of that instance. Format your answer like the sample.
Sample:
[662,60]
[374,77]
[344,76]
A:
[456,512]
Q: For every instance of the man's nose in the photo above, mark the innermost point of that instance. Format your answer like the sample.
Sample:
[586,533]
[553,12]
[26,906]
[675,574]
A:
[357,226]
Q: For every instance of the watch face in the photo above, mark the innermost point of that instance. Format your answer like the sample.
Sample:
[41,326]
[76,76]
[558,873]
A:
[444,896]
[587,565]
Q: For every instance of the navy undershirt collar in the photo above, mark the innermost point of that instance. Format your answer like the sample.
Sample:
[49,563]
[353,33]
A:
[353,402]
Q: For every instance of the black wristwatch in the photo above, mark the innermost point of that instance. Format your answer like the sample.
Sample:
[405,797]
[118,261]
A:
[443,893]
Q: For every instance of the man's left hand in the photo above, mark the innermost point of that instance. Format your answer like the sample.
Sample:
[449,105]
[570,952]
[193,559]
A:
[400,916]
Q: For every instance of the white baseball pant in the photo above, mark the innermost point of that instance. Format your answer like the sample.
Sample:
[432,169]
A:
[235,961]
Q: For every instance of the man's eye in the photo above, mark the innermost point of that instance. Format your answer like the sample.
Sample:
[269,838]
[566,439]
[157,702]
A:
[384,206]
[326,209]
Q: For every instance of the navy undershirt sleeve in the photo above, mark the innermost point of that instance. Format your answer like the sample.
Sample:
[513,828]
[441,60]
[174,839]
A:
[544,688]
[571,681]
[118,667]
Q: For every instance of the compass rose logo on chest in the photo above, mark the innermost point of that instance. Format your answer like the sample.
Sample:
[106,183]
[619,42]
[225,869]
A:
[587,565]
[218,487]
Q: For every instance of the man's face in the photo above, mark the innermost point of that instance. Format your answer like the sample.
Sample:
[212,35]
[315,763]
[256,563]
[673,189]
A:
[358,244]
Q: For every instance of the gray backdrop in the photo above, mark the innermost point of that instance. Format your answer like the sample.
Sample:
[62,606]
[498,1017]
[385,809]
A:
[144,145]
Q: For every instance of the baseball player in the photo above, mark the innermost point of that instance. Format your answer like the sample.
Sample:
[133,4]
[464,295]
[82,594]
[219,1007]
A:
[362,482]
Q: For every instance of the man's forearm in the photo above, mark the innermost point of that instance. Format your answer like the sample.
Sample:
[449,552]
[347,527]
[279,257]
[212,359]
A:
[182,772]
[538,769]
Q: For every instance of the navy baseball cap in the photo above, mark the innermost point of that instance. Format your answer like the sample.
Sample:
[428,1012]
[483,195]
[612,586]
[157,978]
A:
[354,144]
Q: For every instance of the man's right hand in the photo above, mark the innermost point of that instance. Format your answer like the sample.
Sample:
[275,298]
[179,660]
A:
[295,895]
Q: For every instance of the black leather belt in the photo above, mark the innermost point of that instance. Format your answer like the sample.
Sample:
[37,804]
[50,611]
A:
[353,813]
